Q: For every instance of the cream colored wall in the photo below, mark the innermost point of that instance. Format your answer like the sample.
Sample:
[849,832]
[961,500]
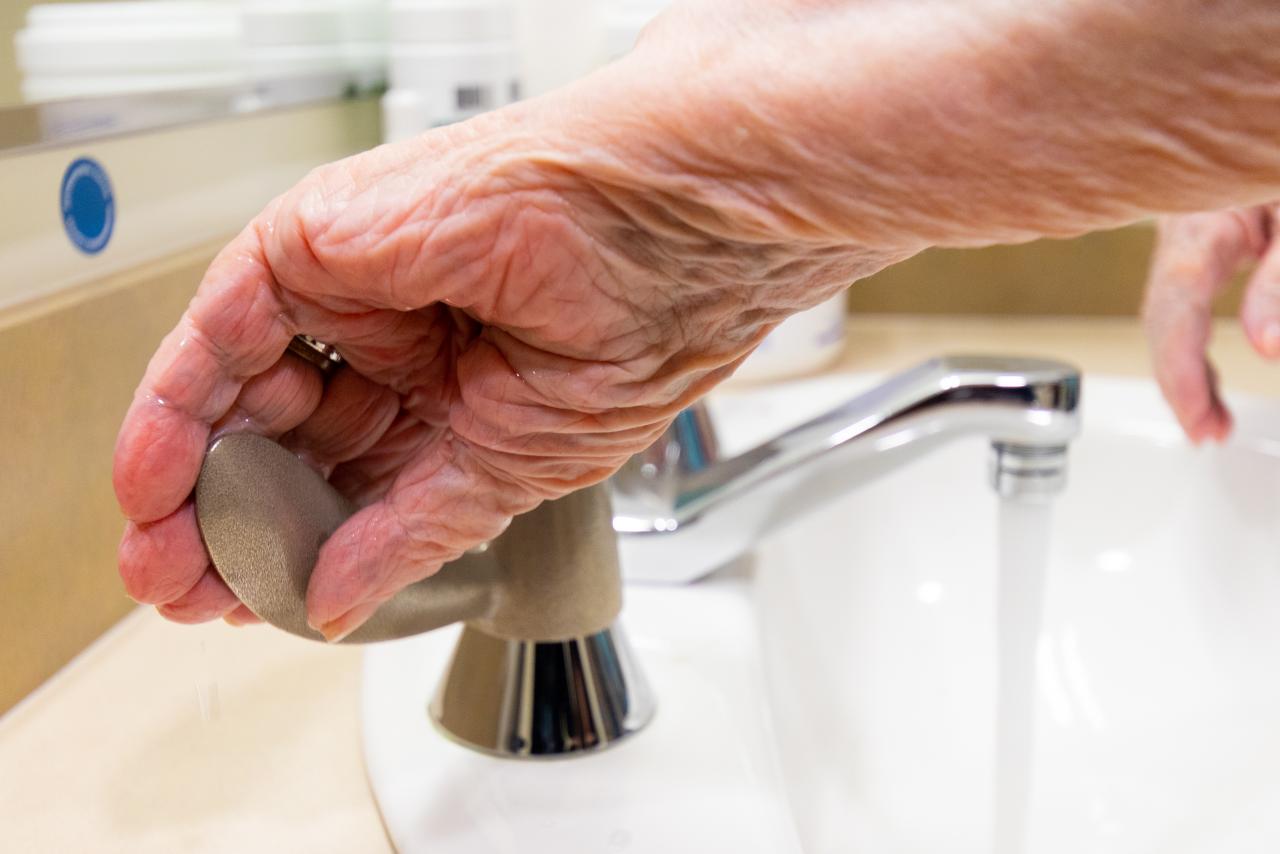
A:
[70,371]
[1098,275]
[70,357]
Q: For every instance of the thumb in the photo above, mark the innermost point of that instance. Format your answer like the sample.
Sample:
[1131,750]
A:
[442,503]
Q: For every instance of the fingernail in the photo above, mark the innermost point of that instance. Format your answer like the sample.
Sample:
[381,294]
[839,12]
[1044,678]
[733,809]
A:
[338,629]
[1271,339]
[334,632]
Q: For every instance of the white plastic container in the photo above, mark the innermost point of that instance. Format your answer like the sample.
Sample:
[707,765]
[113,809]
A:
[802,343]
[450,60]
[404,114]
[295,43]
[455,82]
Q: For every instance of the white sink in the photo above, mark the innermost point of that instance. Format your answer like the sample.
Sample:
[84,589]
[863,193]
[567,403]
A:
[835,692]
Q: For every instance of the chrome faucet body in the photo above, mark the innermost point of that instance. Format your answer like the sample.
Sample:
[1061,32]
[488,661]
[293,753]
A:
[681,510]
[542,668]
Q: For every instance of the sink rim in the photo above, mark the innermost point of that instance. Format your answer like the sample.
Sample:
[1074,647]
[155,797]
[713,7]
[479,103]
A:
[1125,406]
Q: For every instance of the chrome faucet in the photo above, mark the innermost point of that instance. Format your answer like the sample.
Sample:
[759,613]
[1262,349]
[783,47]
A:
[681,510]
[542,667]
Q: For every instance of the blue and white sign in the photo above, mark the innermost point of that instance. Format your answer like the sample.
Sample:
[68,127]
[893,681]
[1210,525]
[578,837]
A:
[88,205]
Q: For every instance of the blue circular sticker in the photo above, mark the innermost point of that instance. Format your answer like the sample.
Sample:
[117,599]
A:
[88,205]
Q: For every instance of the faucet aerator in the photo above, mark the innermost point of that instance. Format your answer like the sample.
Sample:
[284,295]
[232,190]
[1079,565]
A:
[1028,472]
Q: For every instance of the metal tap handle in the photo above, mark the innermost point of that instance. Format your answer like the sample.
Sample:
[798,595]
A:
[264,514]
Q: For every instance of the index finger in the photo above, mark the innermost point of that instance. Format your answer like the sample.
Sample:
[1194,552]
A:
[1195,257]
[235,327]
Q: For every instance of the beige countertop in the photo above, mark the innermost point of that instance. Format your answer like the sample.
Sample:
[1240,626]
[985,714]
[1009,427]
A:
[168,738]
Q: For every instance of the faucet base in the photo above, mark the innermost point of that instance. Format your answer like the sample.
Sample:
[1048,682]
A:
[541,699]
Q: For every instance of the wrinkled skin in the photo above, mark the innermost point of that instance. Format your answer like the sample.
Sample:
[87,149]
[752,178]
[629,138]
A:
[502,347]
[527,299]
[1196,257]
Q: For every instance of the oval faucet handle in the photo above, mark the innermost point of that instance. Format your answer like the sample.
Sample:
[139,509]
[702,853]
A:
[264,514]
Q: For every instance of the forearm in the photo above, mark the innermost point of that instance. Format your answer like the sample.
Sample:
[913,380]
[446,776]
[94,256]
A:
[897,125]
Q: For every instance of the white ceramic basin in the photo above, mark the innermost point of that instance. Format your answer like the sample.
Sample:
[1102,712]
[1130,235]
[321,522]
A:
[835,692]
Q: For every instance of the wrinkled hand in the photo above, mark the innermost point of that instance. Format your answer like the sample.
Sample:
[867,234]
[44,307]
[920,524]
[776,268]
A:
[525,300]
[515,326]
[1196,256]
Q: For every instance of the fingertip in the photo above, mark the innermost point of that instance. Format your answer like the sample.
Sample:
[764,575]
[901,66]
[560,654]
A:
[241,616]
[351,564]
[367,560]
[1223,429]
[208,600]
[157,460]
[1270,344]
[1213,427]
[335,631]
[160,561]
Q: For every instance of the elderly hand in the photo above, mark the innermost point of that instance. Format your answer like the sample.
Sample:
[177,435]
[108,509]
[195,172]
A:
[1196,256]
[515,323]
[527,299]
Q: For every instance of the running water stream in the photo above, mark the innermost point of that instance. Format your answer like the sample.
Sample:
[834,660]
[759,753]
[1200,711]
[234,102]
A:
[1023,559]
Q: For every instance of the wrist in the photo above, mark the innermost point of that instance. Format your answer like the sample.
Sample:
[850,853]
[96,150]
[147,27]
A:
[685,194]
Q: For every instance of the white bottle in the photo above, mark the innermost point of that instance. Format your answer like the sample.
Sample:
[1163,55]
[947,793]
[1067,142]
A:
[293,49]
[450,60]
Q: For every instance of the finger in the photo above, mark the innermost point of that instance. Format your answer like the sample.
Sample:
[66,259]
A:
[209,599]
[442,503]
[1195,258]
[242,616]
[410,352]
[351,417]
[547,433]
[276,400]
[234,329]
[1260,309]
[160,561]
[1179,337]
[369,476]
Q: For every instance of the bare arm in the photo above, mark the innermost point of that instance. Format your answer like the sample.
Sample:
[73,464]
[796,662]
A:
[527,299]
[905,124]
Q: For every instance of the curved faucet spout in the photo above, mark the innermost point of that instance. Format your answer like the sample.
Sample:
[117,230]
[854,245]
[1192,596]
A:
[682,510]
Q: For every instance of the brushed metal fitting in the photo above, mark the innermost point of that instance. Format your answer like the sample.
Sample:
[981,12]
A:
[542,667]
